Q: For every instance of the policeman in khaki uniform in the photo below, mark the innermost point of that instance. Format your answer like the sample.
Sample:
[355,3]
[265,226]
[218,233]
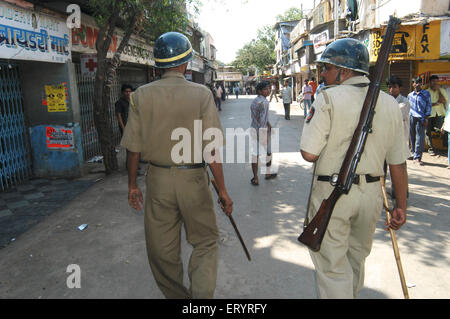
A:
[177,192]
[326,136]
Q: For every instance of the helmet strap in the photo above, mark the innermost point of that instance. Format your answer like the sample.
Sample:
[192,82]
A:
[338,77]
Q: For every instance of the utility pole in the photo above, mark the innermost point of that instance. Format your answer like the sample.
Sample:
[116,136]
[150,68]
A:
[336,19]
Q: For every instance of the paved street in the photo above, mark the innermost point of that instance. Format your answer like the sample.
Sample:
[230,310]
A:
[111,250]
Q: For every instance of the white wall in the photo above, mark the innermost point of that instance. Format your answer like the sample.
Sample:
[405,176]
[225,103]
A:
[435,7]
[378,11]
[403,8]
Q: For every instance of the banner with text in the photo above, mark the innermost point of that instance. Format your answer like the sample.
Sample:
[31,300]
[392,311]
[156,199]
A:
[28,35]
[411,42]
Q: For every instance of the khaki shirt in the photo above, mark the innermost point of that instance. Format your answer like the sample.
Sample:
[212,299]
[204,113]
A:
[437,110]
[330,130]
[163,114]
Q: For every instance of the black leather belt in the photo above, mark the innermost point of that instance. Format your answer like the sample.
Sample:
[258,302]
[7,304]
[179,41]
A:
[333,178]
[192,166]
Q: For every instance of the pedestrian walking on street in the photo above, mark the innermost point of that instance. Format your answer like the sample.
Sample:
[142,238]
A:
[439,100]
[261,128]
[236,91]
[224,94]
[420,101]
[313,84]
[177,190]
[287,100]
[307,94]
[273,92]
[218,96]
[326,136]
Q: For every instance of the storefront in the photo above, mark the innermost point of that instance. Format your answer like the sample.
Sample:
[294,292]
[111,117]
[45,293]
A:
[39,133]
[230,80]
[418,50]
[136,69]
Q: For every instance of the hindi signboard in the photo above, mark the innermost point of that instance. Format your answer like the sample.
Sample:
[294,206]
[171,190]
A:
[28,35]
[85,38]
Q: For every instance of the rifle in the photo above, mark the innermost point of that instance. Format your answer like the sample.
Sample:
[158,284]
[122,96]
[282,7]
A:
[314,232]
[234,225]
[394,241]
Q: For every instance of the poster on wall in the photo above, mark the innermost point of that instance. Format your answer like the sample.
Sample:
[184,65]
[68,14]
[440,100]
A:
[33,36]
[56,97]
[59,138]
[320,41]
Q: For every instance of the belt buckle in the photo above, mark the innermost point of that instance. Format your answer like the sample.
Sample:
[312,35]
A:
[334,179]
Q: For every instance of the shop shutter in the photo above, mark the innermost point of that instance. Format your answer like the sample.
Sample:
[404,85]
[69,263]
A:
[403,70]
[15,159]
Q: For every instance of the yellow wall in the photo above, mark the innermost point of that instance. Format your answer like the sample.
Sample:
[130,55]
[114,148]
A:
[433,67]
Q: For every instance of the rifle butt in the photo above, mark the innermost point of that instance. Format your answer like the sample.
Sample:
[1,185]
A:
[314,232]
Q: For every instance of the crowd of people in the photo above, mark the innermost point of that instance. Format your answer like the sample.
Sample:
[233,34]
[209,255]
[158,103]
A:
[425,115]
[425,112]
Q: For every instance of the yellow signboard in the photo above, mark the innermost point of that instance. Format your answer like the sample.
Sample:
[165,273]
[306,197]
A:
[428,44]
[56,98]
[411,42]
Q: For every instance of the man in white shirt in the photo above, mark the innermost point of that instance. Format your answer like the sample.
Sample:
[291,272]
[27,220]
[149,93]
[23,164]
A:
[287,100]
[307,94]
[394,84]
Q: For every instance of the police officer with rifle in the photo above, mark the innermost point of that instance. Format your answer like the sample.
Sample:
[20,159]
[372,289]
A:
[351,130]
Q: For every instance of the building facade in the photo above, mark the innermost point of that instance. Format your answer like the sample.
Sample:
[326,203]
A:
[421,44]
[47,77]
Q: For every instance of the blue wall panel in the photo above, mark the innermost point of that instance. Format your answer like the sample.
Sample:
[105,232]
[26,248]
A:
[48,162]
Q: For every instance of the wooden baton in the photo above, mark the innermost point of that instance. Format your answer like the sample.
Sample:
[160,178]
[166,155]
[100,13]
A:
[234,224]
[394,240]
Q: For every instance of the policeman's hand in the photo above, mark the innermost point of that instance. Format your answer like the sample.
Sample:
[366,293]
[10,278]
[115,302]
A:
[226,203]
[398,218]
[425,123]
[135,198]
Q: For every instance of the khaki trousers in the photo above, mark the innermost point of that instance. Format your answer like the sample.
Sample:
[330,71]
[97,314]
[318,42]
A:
[348,240]
[175,196]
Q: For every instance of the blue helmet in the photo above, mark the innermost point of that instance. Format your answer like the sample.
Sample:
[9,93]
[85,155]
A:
[172,49]
[347,53]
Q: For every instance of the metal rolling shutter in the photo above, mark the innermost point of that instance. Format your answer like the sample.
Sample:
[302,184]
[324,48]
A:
[403,70]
